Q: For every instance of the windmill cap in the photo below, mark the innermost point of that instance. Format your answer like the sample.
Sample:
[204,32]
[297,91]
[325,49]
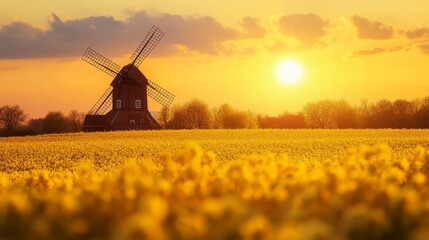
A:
[130,73]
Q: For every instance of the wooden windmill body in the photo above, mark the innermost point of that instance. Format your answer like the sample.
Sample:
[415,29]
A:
[124,105]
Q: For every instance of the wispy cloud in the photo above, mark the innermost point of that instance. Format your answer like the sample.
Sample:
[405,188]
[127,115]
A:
[4,69]
[375,51]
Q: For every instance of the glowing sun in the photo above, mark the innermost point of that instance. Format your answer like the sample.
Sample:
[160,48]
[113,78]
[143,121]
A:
[289,72]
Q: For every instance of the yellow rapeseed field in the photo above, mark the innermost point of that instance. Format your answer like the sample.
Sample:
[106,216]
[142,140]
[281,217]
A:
[216,184]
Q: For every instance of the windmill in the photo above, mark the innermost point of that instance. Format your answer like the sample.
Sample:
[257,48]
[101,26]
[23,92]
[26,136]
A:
[124,104]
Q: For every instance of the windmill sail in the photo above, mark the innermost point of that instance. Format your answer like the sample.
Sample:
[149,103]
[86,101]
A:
[99,61]
[104,103]
[159,94]
[147,45]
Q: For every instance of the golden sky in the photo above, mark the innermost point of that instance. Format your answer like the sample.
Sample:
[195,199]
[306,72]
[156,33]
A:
[218,51]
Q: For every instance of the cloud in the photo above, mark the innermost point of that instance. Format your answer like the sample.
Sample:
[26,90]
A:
[62,39]
[252,28]
[201,34]
[248,51]
[424,48]
[113,37]
[4,69]
[307,28]
[375,51]
[421,32]
[278,46]
[371,29]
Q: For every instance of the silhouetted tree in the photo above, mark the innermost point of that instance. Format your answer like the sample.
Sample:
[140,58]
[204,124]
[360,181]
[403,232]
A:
[36,125]
[221,115]
[288,120]
[330,114]
[191,115]
[346,115]
[421,117]
[285,120]
[320,114]
[387,114]
[55,122]
[228,117]
[164,116]
[364,113]
[11,117]
[403,112]
[177,117]
[235,120]
[251,120]
[382,114]
[199,114]
[75,121]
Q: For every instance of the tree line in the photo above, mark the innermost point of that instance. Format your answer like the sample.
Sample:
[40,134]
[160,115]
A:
[340,114]
[196,114]
[323,114]
[15,122]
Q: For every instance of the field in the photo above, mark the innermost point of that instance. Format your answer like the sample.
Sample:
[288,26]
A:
[216,184]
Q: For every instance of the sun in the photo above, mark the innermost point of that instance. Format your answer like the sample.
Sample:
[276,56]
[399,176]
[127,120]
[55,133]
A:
[289,72]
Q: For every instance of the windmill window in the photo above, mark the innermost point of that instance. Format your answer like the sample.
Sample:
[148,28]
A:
[138,104]
[132,122]
[141,121]
[118,103]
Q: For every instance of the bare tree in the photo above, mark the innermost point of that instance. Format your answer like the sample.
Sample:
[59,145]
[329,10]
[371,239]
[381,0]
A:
[421,117]
[382,114]
[346,115]
[330,114]
[364,114]
[75,121]
[320,114]
[164,116]
[11,117]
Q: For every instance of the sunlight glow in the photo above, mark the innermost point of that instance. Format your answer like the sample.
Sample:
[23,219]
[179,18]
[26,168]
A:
[289,72]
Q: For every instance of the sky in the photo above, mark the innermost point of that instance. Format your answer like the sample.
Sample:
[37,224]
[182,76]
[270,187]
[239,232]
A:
[216,50]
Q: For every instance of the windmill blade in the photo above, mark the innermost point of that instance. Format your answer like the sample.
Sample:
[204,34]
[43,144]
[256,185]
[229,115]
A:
[99,61]
[103,104]
[147,45]
[159,94]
